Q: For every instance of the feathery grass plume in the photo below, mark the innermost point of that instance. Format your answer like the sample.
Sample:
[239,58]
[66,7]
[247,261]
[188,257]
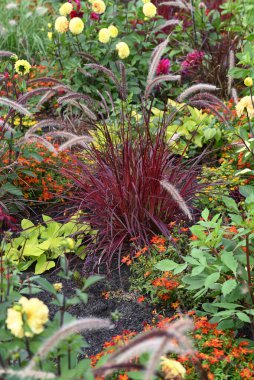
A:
[209,105]
[103,100]
[155,59]
[123,79]
[158,80]
[53,91]
[166,24]
[26,374]
[196,88]
[171,339]
[177,197]
[212,99]
[107,72]
[37,91]
[45,124]
[175,4]
[83,107]
[36,138]
[111,100]
[64,332]
[16,106]
[77,95]
[78,140]
[44,80]
[5,53]
[88,56]
[6,126]
[234,95]
[231,65]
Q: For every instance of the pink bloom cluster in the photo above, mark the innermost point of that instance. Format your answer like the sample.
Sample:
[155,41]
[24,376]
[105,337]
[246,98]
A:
[163,67]
[192,61]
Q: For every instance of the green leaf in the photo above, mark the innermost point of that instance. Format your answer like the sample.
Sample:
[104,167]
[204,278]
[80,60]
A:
[42,265]
[166,265]
[180,268]
[197,270]
[91,281]
[11,189]
[246,190]
[211,279]
[228,287]
[230,203]
[26,223]
[205,214]
[243,317]
[229,260]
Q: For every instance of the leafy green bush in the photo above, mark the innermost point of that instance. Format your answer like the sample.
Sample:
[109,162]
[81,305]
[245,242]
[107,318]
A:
[220,263]
[42,244]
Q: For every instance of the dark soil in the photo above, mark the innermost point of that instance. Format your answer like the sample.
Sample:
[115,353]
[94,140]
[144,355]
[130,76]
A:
[132,314]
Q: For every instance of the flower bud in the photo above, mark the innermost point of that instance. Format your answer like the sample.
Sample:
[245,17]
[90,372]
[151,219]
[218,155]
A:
[248,82]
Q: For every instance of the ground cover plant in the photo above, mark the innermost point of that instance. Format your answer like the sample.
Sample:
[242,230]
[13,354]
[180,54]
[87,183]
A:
[126,189]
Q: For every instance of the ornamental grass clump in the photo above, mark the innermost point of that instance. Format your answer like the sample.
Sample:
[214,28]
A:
[132,188]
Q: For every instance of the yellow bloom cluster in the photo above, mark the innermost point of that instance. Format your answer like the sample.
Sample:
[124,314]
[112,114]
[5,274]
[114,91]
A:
[172,369]
[106,33]
[149,10]
[65,9]
[76,25]
[98,6]
[22,67]
[245,104]
[123,50]
[27,318]
[61,24]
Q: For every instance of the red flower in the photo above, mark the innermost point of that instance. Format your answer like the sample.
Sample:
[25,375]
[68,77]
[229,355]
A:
[163,67]
[76,14]
[94,16]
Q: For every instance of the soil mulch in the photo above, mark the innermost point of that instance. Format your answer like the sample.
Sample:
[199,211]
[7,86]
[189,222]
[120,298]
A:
[132,314]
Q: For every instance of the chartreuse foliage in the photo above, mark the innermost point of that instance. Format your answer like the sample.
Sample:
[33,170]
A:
[220,263]
[42,244]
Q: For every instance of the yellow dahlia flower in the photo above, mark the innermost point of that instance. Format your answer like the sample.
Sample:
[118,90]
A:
[22,67]
[146,1]
[172,369]
[37,314]
[33,313]
[61,24]
[245,104]
[113,31]
[248,82]
[149,9]
[123,50]
[98,6]
[66,9]
[14,322]
[104,35]
[76,25]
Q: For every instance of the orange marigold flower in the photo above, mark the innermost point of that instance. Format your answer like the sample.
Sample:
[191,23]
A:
[140,299]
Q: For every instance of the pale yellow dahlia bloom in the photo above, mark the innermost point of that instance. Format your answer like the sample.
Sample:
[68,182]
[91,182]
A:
[61,24]
[22,67]
[33,313]
[245,104]
[123,50]
[104,35]
[172,369]
[36,312]
[15,323]
[149,10]
[98,6]
[146,1]
[65,9]
[113,31]
[76,25]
